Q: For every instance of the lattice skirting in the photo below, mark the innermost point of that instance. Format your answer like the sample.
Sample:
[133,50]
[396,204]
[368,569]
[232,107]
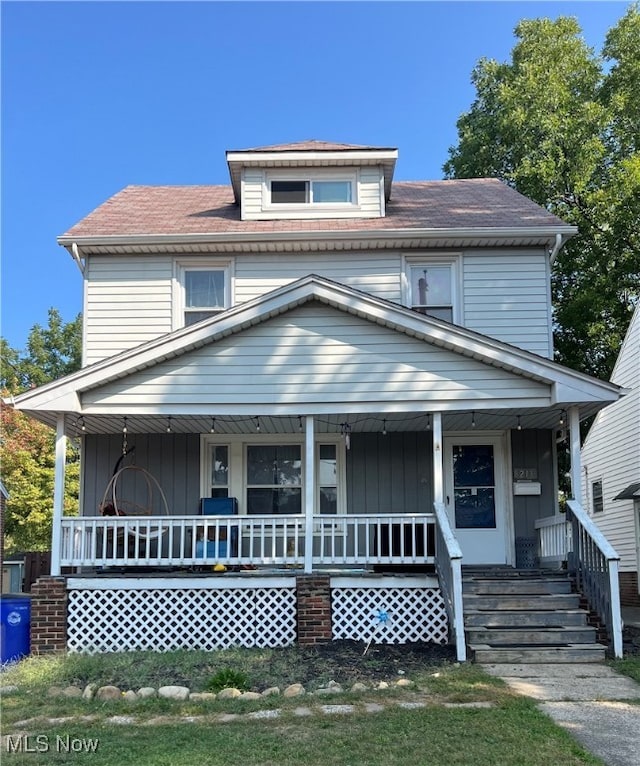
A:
[389,615]
[162,619]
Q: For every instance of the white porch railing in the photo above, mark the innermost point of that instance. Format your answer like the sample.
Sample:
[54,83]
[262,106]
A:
[554,538]
[448,561]
[595,564]
[247,540]
[574,538]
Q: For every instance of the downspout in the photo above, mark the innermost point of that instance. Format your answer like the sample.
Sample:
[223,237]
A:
[75,254]
[553,253]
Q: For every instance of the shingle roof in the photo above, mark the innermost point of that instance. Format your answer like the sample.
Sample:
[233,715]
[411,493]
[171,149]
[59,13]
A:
[457,204]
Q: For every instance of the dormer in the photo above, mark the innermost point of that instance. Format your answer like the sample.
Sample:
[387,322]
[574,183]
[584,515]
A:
[311,180]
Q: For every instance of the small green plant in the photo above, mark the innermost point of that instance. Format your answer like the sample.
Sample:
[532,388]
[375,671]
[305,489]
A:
[228,678]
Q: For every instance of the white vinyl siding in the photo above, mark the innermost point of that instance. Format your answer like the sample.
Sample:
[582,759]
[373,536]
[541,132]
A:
[612,452]
[506,296]
[316,354]
[368,199]
[375,273]
[128,302]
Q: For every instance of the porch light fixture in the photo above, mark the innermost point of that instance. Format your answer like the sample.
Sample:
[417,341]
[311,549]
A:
[82,425]
[300,423]
[429,422]
[473,420]
[169,424]
[257,425]
[562,417]
[519,426]
[345,430]
[384,427]
[124,425]
[213,426]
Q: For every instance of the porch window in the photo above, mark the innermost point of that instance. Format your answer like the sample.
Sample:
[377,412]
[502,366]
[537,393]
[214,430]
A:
[597,502]
[219,462]
[432,288]
[274,479]
[328,478]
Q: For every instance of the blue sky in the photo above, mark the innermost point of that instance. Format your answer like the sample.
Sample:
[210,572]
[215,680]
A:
[98,95]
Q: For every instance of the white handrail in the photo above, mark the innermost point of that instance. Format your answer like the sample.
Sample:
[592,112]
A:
[605,547]
[449,568]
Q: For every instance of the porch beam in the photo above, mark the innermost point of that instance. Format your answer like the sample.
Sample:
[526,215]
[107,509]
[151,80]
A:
[438,465]
[309,491]
[58,495]
[576,462]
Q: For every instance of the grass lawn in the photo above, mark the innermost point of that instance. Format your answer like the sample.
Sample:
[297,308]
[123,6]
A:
[629,666]
[510,733]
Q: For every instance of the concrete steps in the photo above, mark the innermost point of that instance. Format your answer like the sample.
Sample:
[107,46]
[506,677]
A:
[526,616]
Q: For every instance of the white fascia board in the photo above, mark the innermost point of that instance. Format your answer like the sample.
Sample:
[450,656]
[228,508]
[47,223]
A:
[543,233]
[332,157]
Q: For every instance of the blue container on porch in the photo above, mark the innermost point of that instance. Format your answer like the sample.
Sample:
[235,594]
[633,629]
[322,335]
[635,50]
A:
[218,506]
[15,627]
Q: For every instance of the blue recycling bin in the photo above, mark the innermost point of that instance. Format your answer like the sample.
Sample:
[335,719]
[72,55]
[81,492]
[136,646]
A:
[15,625]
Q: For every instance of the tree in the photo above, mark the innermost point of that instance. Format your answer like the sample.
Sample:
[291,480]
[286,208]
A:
[561,128]
[27,447]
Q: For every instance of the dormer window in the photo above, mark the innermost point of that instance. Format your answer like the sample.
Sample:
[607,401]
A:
[311,192]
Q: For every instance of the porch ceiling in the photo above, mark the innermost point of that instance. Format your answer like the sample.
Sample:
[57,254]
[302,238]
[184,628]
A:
[480,420]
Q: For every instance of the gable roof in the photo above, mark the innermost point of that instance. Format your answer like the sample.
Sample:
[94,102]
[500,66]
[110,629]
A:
[482,205]
[314,145]
[566,386]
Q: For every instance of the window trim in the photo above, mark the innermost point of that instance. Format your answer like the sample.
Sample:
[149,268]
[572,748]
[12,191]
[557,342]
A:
[237,479]
[180,267]
[352,176]
[452,262]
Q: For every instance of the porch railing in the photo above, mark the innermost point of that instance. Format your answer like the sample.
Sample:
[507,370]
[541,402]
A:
[354,540]
[554,538]
[448,561]
[595,563]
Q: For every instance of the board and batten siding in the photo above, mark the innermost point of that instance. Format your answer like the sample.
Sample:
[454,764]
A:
[316,354]
[506,295]
[370,194]
[611,454]
[172,459]
[128,302]
[534,449]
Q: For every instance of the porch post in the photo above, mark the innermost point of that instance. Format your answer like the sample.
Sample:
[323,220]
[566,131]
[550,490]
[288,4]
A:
[309,491]
[438,469]
[576,463]
[58,496]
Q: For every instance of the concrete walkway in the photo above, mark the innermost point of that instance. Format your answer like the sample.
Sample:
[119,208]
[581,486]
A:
[586,699]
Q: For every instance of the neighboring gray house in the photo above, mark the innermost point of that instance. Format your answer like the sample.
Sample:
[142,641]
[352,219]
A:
[364,365]
[611,466]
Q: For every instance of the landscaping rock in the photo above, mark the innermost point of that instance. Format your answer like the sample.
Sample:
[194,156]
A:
[295,690]
[359,687]
[72,691]
[130,696]
[108,693]
[202,696]
[382,685]
[272,691]
[147,691]
[404,682]
[89,692]
[250,696]
[55,691]
[229,694]
[174,692]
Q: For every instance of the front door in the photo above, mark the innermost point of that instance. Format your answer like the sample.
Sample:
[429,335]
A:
[475,497]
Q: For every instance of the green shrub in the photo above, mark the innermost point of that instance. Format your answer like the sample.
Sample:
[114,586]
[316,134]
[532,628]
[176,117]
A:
[227,678]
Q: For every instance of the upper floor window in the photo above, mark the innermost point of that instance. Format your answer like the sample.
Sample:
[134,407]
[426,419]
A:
[597,502]
[311,191]
[203,290]
[432,288]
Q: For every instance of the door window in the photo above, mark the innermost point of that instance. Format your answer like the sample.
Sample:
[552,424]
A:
[474,486]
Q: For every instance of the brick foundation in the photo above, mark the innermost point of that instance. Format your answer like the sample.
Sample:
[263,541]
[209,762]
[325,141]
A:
[313,596]
[629,595]
[49,615]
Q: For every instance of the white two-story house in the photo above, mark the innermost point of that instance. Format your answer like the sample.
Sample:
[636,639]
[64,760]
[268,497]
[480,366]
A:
[315,380]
